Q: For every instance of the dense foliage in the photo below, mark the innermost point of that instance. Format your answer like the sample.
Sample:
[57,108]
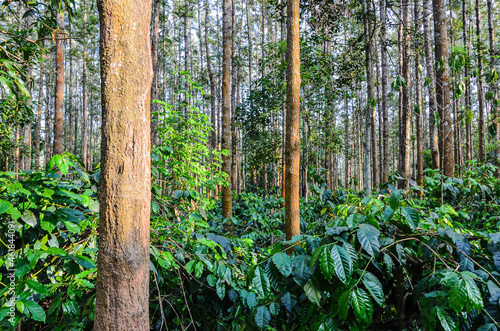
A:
[381,262]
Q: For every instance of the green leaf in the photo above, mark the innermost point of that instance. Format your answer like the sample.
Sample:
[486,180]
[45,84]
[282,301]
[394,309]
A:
[72,227]
[326,263]
[343,263]
[251,300]
[62,164]
[473,293]
[37,312]
[37,287]
[313,293]
[260,282]
[262,317]
[372,284]
[288,301]
[368,238]
[344,303]
[211,280]
[447,322]
[301,269]
[29,218]
[458,295]
[411,216]
[395,199]
[362,306]
[4,206]
[221,289]
[283,262]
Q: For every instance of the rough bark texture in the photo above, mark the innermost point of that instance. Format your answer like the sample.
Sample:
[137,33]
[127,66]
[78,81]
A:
[405,119]
[480,86]
[155,107]
[226,106]
[84,89]
[59,101]
[443,86]
[431,87]
[292,151]
[122,288]
[494,87]
[213,144]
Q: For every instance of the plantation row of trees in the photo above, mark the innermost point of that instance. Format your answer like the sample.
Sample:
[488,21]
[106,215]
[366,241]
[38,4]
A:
[386,87]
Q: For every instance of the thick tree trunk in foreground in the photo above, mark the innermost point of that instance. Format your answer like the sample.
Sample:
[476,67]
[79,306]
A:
[122,289]
[59,102]
[292,149]
[226,106]
[443,86]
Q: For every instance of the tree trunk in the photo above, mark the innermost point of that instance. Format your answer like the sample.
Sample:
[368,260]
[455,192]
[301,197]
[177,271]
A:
[70,108]
[405,119]
[418,113]
[480,87]
[494,87]
[226,107]
[370,98]
[468,102]
[84,89]
[431,86]
[385,117]
[122,289]
[443,86]
[39,111]
[155,107]
[213,144]
[59,101]
[292,151]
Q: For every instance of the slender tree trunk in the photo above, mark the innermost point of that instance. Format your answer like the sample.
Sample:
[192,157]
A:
[26,158]
[418,90]
[122,289]
[39,111]
[467,99]
[213,144]
[494,86]
[70,108]
[226,107]
[385,117]
[431,87]
[59,101]
[443,86]
[367,172]
[347,140]
[292,151]
[155,107]
[405,119]
[480,86]
[84,88]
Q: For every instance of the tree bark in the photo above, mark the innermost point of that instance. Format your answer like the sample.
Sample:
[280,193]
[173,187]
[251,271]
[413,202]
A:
[122,289]
[480,87]
[467,99]
[226,107]
[39,112]
[385,117]
[292,151]
[84,88]
[418,113]
[431,87]
[155,107]
[367,172]
[59,101]
[494,86]
[443,86]
[405,119]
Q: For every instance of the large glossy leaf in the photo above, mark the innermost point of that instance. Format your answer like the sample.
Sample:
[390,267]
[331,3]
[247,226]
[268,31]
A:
[395,199]
[473,294]
[326,263]
[283,262]
[373,286]
[368,238]
[344,303]
[362,306]
[301,269]
[446,321]
[262,317]
[37,312]
[411,216]
[288,301]
[260,282]
[313,293]
[343,263]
